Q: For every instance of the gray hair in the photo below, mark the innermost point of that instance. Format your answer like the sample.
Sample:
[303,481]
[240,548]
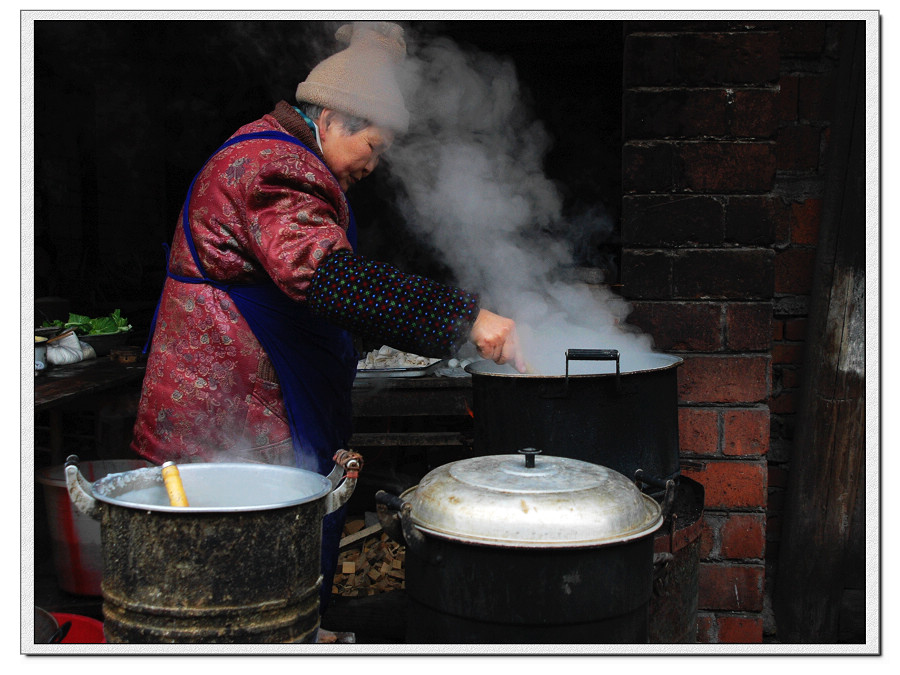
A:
[349,123]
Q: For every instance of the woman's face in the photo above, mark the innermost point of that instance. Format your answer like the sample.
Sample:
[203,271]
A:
[351,157]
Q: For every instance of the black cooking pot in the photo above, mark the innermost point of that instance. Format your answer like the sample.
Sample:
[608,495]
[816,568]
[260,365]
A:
[240,564]
[620,412]
[540,550]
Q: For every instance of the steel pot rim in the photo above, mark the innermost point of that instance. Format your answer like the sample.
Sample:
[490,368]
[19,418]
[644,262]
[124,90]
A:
[112,488]
[488,368]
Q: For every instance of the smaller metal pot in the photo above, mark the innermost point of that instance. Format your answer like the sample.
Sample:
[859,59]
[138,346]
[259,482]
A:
[240,564]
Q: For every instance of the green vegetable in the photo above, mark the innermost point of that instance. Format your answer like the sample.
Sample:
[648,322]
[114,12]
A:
[83,325]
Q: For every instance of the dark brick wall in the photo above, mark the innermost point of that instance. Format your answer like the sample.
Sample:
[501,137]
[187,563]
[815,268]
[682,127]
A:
[724,130]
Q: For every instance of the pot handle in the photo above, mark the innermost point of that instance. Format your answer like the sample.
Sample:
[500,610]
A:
[388,508]
[661,563]
[667,485]
[335,476]
[349,463]
[399,525]
[80,489]
[592,355]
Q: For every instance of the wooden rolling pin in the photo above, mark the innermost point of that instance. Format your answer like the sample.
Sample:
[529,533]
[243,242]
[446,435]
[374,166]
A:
[174,486]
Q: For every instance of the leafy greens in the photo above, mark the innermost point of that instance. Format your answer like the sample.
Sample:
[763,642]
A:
[83,325]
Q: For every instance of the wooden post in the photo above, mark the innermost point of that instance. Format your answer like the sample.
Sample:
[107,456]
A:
[827,466]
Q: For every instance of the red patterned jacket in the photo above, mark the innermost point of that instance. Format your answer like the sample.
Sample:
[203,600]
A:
[269,207]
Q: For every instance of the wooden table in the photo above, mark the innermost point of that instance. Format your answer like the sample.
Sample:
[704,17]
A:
[59,385]
[62,387]
[372,397]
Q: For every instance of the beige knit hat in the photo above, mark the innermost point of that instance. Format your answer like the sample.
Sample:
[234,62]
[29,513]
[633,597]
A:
[360,80]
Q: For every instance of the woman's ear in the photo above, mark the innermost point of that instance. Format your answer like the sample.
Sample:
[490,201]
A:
[326,118]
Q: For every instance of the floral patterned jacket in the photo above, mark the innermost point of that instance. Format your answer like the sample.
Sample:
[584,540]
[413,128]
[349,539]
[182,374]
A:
[268,207]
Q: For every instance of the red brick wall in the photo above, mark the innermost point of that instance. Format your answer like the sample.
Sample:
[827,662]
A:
[724,126]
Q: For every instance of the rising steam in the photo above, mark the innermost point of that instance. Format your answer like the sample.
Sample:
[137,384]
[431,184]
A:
[473,184]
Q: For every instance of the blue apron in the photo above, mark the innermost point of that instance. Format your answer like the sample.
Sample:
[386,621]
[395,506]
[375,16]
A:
[314,360]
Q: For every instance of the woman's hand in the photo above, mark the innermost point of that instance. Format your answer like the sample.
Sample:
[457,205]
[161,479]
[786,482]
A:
[495,338]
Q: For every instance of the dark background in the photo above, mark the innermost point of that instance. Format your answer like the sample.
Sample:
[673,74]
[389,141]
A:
[125,112]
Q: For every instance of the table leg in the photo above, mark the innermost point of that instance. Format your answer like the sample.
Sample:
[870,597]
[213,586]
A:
[56,436]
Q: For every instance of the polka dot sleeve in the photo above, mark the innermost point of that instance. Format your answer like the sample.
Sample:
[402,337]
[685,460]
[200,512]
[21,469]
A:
[377,301]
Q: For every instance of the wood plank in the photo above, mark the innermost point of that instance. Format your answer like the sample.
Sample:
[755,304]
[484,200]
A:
[828,460]
[357,536]
[408,439]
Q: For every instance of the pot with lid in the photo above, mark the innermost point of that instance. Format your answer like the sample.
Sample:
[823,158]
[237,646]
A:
[533,549]
[240,563]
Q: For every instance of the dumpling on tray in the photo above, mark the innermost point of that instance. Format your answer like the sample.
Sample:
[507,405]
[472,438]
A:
[388,357]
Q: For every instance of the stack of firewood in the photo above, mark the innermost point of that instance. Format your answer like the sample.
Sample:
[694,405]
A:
[369,562]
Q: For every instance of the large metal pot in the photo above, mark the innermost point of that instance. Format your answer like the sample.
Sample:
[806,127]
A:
[502,549]
[240,564]
[620,412]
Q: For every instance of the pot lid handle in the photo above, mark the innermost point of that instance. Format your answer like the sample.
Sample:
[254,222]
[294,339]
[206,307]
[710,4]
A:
[530,454]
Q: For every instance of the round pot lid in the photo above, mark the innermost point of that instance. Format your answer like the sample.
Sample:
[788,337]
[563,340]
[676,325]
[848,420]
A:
[531,501]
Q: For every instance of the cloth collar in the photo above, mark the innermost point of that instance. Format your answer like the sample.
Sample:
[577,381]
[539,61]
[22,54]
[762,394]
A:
[312,125]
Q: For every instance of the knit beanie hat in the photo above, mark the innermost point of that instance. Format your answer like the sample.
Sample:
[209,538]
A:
[360,80]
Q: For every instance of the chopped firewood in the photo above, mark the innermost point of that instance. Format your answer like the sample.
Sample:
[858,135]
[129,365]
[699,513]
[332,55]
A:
[369,562]
[353,526]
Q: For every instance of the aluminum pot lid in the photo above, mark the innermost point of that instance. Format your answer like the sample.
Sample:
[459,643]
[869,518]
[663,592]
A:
[531,501]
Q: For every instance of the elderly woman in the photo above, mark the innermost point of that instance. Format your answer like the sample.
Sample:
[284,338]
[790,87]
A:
[251,356]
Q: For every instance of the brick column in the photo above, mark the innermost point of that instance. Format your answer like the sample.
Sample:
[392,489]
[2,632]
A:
[700,122]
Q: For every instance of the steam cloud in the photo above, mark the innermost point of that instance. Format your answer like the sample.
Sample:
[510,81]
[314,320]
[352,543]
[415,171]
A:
[473,184]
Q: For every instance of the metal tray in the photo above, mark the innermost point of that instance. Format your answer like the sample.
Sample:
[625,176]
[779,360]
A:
[416,371]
